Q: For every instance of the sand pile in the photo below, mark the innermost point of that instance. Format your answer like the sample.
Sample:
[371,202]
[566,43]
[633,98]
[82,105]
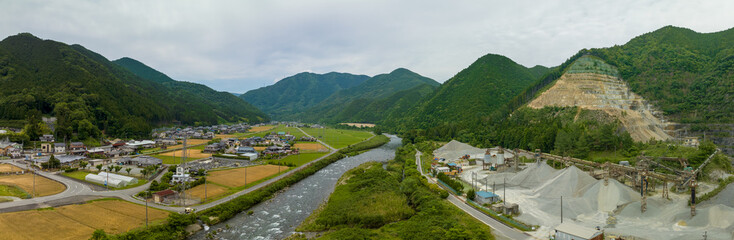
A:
[455,149]
[718,215]
[607,198]
[568,183]
[725,197]
[533,176]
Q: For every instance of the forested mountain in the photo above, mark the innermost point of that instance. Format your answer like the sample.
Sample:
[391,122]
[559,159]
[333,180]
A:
[299,92]
[223,105]
[373,99]
[475,92]
[87,93]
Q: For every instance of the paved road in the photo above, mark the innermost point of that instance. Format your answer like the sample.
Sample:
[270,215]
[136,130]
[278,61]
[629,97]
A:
[500,229]
[74,189]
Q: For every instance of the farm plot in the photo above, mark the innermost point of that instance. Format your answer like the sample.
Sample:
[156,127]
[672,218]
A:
[306,146]
[338,138]
[44,186]
[76,221]
[236,177]
[261,128]
[212,191]
[190,153]
[7,168]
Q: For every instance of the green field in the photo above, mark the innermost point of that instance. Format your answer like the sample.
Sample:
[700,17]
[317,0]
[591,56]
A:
[299,159]
[12,191]
[282,128]
[338,138]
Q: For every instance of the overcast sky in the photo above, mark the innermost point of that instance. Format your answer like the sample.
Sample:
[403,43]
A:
[236,46]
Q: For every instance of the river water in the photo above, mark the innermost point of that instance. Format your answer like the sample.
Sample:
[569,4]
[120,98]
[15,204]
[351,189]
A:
[278,217]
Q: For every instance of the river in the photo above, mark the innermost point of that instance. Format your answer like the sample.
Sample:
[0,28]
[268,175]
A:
[278,217]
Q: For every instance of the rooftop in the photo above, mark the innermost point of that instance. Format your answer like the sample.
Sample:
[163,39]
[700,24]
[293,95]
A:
[577,230]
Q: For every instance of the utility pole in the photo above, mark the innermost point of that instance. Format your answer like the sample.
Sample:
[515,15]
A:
[146,208]
[504,190]
[561,209]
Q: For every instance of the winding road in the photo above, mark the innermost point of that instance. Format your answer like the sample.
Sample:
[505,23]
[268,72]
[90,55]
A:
[501,230]
[80,192]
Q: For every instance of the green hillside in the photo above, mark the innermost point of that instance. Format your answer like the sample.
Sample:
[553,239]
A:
[297,93]
[688,75]
[475,93]
[223,105]
[376,93]
[87,93]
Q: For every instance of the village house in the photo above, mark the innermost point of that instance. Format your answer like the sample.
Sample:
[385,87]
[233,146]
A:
[213,148]
[59,148]
[163,196]
[46,138]
[47,147]
[77,148]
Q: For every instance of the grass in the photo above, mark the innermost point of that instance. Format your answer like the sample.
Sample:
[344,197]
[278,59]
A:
[82,174]
[338,138]
[13,191]
[299,159]
[282,128]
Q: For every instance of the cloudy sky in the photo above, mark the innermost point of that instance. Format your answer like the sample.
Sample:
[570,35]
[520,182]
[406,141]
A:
[236,46]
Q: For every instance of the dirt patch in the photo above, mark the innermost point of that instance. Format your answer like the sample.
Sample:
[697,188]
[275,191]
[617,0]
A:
[44,186]
[236,177]
[76,221]
[8,168]
[310,146]
[190,153]
[212,190]
[261,128]
[360,125]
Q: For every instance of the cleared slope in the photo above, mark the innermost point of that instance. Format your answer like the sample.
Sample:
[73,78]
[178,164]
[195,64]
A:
[590,83]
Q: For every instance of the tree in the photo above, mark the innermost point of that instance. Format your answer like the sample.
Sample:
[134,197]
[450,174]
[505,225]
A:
[83,164]
[110,167]
[99,168]
[471,194]
[128,170]
[144,172]
[118,168]
[53,162]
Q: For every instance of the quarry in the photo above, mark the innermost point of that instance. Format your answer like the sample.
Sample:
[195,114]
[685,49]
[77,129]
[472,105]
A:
[550,190]
[592,84]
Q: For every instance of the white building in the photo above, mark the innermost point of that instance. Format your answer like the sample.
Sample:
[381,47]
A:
[125,179]
[112,182]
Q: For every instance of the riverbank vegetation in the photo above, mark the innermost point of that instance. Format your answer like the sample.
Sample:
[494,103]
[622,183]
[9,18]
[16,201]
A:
[409,207]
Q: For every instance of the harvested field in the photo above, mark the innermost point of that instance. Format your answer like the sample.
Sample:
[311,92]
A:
[189,143]
[225,136]
[259,148]
[76,221]
[44,186]
[191,153]
[310,146]
[212,191]
[261,128]
[236,177]
[359,125]
[7,168]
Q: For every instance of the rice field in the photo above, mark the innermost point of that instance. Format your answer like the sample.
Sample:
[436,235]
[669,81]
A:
[77,221]
[44,186]
[8,168]
[338,138]
[236,177]
[212,191]
[310,146]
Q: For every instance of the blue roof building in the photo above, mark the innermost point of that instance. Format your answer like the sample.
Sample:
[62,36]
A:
[484,197]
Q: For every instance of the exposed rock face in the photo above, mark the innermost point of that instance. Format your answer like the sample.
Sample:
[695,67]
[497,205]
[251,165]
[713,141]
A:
[592,84]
